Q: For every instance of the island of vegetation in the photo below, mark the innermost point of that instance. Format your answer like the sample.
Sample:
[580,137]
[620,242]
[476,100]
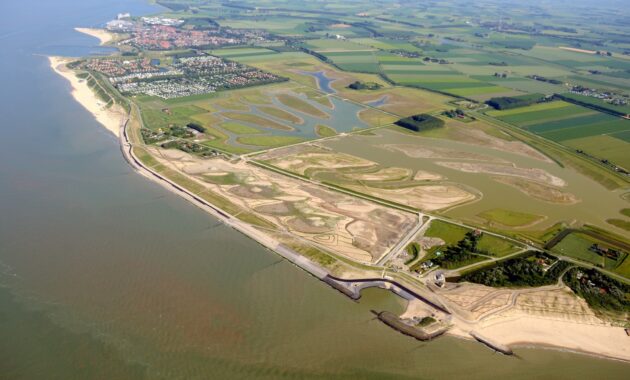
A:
[358,85]
[422,122]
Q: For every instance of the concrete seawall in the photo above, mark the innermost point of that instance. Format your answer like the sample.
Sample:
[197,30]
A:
[502,348]
[354,286]
[342,288]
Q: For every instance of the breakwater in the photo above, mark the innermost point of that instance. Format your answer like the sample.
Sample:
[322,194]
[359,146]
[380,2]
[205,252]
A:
[393,321]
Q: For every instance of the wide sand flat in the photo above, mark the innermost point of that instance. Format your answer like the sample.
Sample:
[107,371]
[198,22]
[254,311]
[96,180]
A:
[425,151]
[351,227]
[530,174]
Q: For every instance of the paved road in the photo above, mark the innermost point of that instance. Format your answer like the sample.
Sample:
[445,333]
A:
[420,228]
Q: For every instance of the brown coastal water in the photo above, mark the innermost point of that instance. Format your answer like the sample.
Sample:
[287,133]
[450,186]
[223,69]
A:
[106,275]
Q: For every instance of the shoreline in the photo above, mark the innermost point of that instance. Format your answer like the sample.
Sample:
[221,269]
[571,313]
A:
[103,36]
[110,118]
[516,332]
[529,331]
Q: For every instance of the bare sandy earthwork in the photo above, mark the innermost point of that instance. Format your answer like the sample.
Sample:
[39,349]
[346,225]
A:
[349,226]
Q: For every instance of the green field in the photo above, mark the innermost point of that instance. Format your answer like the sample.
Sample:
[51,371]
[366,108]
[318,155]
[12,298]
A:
[577,246]
[356,61]
[448,232]
[325,45]
[509,218]
[597,134]
[451,234]
[156,118]
[269,141]
[386,44]
[236,53]
[604,146]
[442,78]
[495,246]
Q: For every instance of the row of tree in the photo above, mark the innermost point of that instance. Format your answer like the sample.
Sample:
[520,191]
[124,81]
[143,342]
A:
[524,271]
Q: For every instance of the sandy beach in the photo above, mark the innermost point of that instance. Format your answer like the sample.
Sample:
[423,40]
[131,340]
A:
[551,316]
[526,330]
[110,118]
[103,36]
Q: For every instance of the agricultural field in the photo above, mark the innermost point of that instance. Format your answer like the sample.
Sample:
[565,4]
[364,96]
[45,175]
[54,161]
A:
[346,55]
[597,134]
[243,54]
[387,44]
[578,246]
[444,79]
[449,233]
[281,25]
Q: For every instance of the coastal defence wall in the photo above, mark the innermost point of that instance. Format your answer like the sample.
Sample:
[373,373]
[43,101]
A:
[353,287]
[502,348]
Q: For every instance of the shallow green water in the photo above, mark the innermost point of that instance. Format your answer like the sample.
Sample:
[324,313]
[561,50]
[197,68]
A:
[106,275]
[596,202]
[343,117]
